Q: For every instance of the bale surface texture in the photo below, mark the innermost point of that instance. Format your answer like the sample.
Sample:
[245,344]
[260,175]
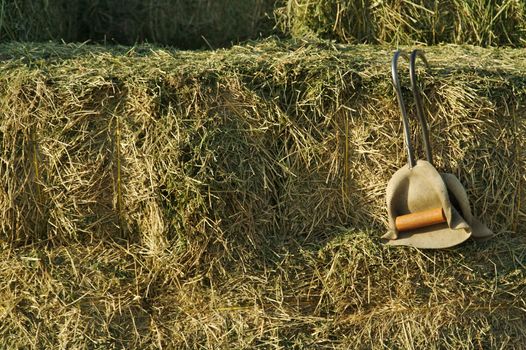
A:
[235,198]
[404,22]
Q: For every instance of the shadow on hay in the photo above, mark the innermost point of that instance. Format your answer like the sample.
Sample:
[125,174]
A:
[179,23]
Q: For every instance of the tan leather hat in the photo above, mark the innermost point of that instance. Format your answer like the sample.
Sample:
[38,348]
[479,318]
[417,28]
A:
[418,188]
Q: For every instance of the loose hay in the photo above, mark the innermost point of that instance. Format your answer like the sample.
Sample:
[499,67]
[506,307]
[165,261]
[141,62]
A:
[157,198]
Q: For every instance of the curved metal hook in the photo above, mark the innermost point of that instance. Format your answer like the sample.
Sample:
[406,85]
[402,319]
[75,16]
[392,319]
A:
[405,120]
[418,101]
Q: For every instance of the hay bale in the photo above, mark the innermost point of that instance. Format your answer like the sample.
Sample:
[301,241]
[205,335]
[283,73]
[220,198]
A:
[39,20]
[235,198]
[206,23]
[180,23]
[486,23]
[63,134]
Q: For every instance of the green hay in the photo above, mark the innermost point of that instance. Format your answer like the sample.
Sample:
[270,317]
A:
[403,22]
[234,198]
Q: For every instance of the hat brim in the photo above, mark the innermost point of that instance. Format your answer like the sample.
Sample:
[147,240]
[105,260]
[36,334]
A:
[479,230]
[431,237]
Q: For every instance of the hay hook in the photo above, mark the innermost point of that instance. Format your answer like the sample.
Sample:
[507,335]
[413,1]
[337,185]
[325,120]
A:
[418,102]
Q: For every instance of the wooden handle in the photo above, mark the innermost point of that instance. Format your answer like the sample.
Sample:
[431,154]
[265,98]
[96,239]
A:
[420,219]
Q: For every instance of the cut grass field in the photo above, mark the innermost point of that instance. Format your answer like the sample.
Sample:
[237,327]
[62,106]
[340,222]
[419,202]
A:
[235,198]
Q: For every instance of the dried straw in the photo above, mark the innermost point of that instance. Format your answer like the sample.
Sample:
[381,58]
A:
[234,198]
[404,22]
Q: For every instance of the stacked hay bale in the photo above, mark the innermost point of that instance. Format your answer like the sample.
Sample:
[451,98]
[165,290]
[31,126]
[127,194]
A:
[39,20]
[179,23]
[207,23]
[479,22]
[234,198]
